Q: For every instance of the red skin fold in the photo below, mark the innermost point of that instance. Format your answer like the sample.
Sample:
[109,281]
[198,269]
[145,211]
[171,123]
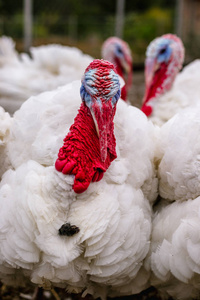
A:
[80,154]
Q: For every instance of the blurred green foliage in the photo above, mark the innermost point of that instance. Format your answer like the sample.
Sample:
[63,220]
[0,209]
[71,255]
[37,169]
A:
[141,28]
[82,7]
[89,20]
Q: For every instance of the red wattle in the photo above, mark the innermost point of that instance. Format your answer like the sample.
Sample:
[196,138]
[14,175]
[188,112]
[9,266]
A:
[80,153]
[124,93]
[130,76]
[98,176]
[147,110]
[155,88]
[120,73]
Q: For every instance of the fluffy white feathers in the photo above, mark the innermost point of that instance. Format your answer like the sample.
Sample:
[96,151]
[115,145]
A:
[48,67]
[107,256]
[175,244]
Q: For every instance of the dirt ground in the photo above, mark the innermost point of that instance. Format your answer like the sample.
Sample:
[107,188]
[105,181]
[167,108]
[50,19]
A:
[10,293]
[136,93]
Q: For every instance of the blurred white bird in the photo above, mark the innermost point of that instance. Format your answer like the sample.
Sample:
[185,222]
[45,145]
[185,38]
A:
[57,227]
[118,52]
[167,93]
[48,67]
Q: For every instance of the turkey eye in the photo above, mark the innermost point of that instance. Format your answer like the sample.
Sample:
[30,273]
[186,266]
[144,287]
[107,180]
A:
[162,51]
[119,50]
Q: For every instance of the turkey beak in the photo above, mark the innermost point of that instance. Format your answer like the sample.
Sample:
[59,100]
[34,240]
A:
[126,65]
[95,123]
[103,116]
[151,66]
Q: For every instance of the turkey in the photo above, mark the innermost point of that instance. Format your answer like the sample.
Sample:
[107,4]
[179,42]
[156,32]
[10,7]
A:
[47,67]
[175,244]
[118,52]
[77,214]
[166,93]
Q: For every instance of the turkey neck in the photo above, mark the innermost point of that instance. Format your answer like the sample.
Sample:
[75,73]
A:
[81,149]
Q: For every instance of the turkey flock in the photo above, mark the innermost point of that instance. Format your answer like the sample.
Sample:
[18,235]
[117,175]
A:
[98,197]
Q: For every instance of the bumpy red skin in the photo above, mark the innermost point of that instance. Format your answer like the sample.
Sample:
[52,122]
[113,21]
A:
[80,154]
[152,91]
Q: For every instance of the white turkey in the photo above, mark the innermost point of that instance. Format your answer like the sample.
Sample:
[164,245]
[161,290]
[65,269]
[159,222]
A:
[47,67]
[175,244]
[86,224]
[167,91]
[118,52]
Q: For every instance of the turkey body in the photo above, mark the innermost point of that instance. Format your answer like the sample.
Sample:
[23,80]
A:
[105,257]
[175,246]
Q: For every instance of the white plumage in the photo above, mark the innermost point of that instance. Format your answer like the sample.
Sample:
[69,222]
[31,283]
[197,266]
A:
[179,167]
[8,54]
[175,246]
[47,67]
[106,258]
[175,250]
[5,125]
